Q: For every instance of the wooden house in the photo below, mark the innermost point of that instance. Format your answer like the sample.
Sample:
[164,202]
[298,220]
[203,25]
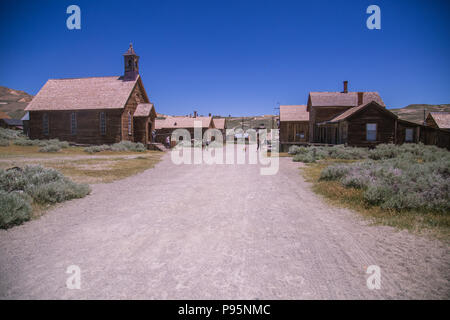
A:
[294,125]
[220,124]
[97,110]
[9,123]
[439,120]
[371,124]
[165,127]
[324,106]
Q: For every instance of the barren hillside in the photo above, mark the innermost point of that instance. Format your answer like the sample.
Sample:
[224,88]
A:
[13,102]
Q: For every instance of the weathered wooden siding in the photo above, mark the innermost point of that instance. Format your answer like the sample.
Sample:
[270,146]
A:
[141,132]
[401,131]
[88,126]
[88,129]
[290,131]
[137,96]
[320,114]
[357,127]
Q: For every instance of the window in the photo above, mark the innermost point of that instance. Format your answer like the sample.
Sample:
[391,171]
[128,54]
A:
[102,123]
[73,123]
[409,135]
[371,131]
[45,128]
[129,124]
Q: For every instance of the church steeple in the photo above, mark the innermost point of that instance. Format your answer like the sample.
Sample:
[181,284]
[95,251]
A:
[131,60]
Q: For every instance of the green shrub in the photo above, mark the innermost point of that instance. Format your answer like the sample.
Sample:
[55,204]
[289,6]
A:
[9,134]
[15,208]
[57,191]
[37,184]
[297,149]
[121,146]
[50,148]
[128,146]
[26,142]
[4,143]
[406,177]
[335,172]
[94,149]
[314,153]
[304,157]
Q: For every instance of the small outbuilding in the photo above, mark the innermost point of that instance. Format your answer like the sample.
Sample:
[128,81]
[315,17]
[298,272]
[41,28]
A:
[294,125]
[439,120]
[165,127]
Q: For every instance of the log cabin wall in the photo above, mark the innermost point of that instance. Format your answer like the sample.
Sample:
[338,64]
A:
[88,129]
[320,114]
[402,126]
[430,122]
[291,131]
[136,97]
[161,134]
[357,134]
[141,132]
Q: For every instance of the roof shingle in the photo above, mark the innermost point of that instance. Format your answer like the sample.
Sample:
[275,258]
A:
[181,122]
[294,113]
[330,99]
[143,110]
[82,94]
[442,119]
[219,123]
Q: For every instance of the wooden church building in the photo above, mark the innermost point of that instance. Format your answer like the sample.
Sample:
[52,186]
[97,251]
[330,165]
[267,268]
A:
[97,110]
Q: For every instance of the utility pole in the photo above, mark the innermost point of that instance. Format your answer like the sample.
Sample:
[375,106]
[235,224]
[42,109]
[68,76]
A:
[277,108]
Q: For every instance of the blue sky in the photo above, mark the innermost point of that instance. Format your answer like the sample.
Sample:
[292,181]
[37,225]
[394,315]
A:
[234,57]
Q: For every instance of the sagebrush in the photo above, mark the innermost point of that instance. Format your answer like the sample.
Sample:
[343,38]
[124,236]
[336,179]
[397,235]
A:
[19,187]
[120,146]
[406,177]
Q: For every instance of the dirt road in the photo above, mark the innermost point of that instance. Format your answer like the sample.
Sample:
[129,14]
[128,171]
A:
[215,231]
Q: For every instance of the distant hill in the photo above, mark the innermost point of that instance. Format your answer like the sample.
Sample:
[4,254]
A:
[414,112]
[13,102]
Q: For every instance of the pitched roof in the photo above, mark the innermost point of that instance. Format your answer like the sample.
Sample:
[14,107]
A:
[442,119]
[182,122]
[83,94]
[294,113]
[219,123]
[4,115]
[329,99]
[349,112]
[144,110]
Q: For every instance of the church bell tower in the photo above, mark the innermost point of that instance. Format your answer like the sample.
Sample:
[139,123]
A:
[131,60]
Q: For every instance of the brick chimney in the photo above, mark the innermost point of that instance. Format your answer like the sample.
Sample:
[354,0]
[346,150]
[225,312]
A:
[345,87]
[195,114]
[360,98]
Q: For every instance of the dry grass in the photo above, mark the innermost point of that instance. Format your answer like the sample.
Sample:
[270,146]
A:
[14,151]
[435,224]
[106,170]
[102,167]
